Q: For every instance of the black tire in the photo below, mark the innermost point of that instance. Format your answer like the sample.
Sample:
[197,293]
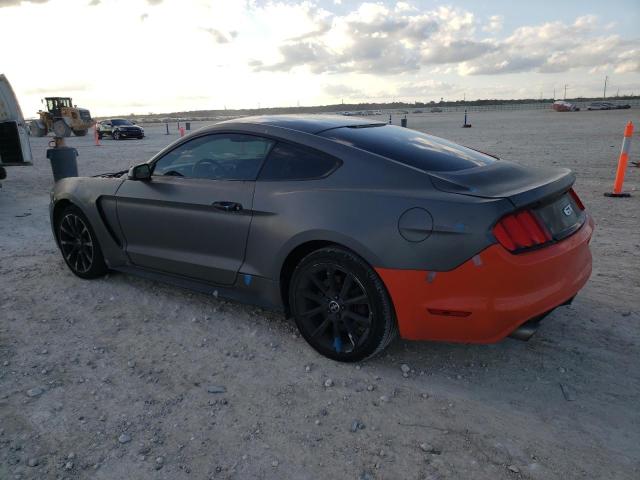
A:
[116,135]
[99,136]
[79,245]
[341,306]
[80,133]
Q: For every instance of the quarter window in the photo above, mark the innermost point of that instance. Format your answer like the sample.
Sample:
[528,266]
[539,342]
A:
[216,157]
[289,162]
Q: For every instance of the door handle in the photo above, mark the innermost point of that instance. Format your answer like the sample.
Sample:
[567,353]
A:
[227,206]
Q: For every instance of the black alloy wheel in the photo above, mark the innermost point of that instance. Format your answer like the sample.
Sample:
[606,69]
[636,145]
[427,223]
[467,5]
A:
[341,306]
[78,244]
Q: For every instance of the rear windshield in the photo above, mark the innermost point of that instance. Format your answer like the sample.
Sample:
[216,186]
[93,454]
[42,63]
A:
[407,146]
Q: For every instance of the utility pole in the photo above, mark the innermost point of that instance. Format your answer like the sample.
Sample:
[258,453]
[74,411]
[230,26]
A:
[554,93]
[565,91]
[604,93]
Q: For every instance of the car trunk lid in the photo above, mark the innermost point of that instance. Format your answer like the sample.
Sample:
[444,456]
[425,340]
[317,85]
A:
[520,184]
[546,209]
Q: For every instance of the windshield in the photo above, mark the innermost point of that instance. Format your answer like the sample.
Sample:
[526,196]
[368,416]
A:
[419,150]
[120,122]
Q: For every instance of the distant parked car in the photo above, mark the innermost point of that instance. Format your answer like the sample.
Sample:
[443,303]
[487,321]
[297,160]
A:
[119,128]
[436,110]
[417,111]
[601,106]
[623,106]
[563,106]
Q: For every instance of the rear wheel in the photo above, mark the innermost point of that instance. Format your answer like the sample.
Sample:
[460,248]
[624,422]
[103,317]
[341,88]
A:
[79,244]
[341,306]
[61,129]
[116,135]
[80,133]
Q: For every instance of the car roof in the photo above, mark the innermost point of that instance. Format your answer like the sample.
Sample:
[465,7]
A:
[313,124]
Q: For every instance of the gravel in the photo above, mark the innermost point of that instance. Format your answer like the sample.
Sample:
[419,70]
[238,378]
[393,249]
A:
[35,392]
[512,405]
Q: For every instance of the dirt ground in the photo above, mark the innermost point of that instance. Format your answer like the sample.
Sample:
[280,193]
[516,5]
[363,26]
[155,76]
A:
[115,378]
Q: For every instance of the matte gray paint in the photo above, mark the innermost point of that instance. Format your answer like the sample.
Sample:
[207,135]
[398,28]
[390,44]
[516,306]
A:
[169,229]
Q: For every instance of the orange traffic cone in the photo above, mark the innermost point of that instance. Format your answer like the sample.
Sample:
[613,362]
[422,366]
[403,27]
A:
[622,163]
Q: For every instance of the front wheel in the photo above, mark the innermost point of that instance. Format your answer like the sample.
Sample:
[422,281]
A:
[116,135]
[79,245]
[341,306]
[80,133]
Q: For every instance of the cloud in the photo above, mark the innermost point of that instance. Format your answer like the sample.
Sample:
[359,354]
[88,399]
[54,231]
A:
[376,39]
[92,3]
[423,89]
[341,90]
[495,24]
[553,47]
[11,3]
[62,89]
[219,36]
[456,51]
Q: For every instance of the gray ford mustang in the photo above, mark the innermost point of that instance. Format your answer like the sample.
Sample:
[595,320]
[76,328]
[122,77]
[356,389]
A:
[357,229]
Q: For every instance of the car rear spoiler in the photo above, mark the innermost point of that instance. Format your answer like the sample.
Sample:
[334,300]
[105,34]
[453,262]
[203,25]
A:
[520,184]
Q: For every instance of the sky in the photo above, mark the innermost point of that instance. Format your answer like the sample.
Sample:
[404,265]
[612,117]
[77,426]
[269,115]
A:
[141,56]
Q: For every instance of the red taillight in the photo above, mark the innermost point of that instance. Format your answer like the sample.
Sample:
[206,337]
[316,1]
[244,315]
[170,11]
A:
[576,199]
[521,230]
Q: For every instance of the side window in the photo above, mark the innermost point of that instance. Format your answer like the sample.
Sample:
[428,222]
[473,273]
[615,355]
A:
[289,162]
[216,157]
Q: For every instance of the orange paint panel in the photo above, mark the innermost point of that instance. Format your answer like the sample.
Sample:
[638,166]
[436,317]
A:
[502,291]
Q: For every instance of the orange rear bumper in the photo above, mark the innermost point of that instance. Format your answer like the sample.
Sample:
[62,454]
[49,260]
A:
[496,291]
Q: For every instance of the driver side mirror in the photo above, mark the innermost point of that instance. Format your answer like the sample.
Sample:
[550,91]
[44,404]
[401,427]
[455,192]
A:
[140,172]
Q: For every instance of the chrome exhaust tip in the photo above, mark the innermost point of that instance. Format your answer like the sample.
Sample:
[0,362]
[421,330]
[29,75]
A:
[525,331]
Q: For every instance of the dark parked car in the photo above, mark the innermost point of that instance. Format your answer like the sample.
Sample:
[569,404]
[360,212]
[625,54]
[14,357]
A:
[621,106]
[119,128]
[355,228]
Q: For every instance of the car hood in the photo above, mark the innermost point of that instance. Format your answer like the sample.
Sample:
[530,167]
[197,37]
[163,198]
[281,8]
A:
[522,185]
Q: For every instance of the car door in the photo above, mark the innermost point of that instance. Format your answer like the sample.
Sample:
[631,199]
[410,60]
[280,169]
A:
[192,217]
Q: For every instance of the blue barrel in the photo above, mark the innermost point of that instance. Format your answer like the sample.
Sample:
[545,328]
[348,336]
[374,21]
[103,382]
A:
[63,162]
